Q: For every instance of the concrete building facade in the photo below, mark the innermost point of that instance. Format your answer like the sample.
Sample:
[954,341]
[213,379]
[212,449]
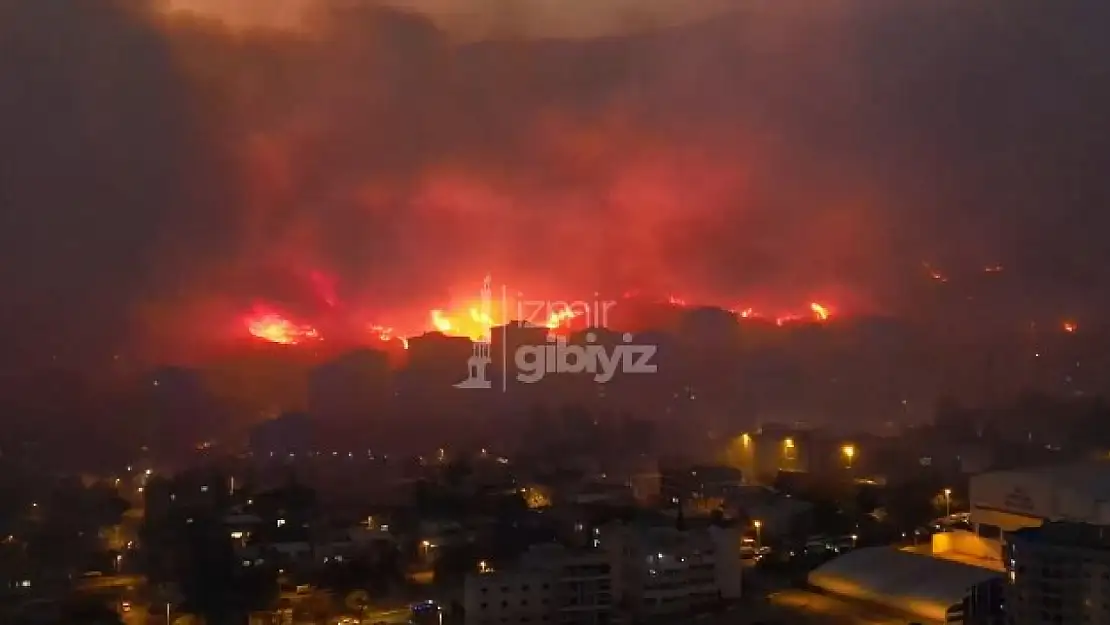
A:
[1058,573]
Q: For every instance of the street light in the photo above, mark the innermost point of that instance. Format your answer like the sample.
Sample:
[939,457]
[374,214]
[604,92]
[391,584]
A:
[948,502]
[758,525]
[849,452]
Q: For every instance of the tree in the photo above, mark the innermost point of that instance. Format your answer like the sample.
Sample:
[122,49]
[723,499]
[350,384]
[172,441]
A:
[358,601]
[457,472]
[90,613]
[867,500]
[214,582]
[911,505]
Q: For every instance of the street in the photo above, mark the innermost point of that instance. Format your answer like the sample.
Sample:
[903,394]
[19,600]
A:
[387,616]
[108,582]
[809,606]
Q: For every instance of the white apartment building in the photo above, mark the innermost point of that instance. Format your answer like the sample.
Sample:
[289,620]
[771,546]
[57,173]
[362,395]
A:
[551,585]
[662,571]
[645,572]
[1058,573]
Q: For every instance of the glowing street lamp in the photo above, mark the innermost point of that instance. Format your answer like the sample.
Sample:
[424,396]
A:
[758,525]
[948,502]
[849,452]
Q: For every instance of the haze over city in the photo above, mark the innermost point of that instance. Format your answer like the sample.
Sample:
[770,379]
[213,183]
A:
[503,312]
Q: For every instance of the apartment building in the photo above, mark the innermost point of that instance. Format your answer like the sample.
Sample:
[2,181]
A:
[550,585]
[643,572]
[1058,573]
[663,571]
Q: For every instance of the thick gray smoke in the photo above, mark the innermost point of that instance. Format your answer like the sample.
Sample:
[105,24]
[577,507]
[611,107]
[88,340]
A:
[161,170]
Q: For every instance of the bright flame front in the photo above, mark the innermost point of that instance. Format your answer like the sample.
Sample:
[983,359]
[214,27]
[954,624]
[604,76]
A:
[275,328]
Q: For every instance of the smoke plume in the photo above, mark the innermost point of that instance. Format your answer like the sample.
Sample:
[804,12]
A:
[164,165]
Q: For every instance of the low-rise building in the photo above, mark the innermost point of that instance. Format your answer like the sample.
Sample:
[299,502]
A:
[919,587]
[1006,501]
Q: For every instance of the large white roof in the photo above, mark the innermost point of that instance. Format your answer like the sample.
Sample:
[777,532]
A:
[920,585]
[1092,479]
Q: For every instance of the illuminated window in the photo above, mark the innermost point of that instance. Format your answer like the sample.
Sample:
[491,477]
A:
[789,450]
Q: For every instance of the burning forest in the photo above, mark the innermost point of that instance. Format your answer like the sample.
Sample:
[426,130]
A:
[319,172]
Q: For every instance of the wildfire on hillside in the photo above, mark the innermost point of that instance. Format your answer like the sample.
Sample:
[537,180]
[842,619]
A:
[473,319]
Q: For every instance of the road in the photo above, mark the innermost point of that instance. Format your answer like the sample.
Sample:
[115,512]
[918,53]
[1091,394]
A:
[106,582]
[387,616]
[806,607]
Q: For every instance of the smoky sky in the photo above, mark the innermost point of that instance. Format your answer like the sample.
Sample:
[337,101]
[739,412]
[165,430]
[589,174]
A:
[161,171]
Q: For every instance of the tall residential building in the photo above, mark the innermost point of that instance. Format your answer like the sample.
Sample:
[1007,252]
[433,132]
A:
[550,585]
[1058,573]
[638,572]
[662,571]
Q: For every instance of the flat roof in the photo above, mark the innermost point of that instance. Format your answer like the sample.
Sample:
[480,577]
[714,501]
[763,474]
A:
[1090,477]
[920,585]
[1066,534]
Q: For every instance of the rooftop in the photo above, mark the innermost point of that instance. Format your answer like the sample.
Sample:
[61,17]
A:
[1090,477]
[1067,534]
[955,556]
[917,584]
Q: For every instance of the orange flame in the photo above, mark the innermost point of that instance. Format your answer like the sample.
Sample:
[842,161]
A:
[467,320]
[1070,327]
[817,312]
[473,323]
[559,318]
[386,334]
[275,328]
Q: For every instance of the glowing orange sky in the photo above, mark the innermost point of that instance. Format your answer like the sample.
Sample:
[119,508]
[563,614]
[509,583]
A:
[477,19]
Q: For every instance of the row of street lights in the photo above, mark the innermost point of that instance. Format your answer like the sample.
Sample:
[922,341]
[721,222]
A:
[788,448]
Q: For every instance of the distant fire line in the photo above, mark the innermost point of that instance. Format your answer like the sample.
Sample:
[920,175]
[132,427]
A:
[271,326]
